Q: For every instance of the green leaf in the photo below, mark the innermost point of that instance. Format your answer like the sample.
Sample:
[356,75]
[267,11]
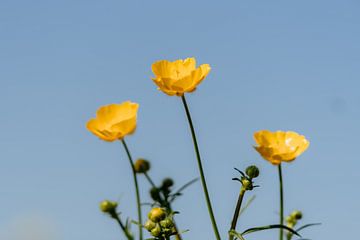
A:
[256,229]
[306,226]
[236,234]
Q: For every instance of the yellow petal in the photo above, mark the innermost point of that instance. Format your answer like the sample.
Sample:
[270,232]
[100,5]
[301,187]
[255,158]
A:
[263,137]
[162,87]
[190,82]
[205,69]
[125,127]
[184,67]
[96,128]
[267,154]
[164,69]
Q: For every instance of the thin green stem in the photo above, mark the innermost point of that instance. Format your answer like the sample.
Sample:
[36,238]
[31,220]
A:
[237,211]
[138,202]
[122,226]
[281,236]
[202,176]
[150,180]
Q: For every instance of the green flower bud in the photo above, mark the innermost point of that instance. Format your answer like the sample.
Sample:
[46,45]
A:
[157,214]
[167,182]
[167,223]
[156,232]
[142,166]
[149,225]
[155,194]
[296,214]
[252,171]
[107,206]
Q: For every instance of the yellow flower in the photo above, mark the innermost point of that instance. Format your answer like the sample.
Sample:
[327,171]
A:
[277,147]
[180,76]
[114,121]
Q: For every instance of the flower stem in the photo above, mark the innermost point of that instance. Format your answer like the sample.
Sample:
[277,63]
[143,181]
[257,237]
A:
[150,180]
[202,177]
[237,211]
[136,188]
[281,236]
[127,234]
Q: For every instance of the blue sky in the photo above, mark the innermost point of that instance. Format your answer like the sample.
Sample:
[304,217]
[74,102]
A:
[289,65]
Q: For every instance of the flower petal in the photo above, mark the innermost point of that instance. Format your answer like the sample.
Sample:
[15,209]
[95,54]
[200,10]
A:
[164,69]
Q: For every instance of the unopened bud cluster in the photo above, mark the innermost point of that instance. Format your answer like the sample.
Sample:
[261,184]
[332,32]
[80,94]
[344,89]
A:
[159,223]
[156,193]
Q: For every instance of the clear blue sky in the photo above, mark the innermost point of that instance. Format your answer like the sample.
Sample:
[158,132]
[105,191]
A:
[290,65]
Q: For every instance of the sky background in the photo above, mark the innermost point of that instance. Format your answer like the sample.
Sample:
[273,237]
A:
[277,65]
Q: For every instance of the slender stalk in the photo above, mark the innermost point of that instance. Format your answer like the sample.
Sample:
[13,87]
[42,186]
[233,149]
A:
[237,211]
[202,176]
[122,226]
[150,180]
[281,237]
[138,203]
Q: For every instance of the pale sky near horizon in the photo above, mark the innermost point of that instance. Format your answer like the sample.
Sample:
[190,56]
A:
[289,65]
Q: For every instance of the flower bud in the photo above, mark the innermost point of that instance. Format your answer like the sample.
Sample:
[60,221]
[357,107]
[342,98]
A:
[296,214]
[157,214]
[155,194]
[107,206]
[167,182]
[167,223]
[252,171]
[149,225]
[142,166]
[156,232]
[290,221]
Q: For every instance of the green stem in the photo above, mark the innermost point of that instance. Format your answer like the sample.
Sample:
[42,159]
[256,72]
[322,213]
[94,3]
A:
[150,180]
[237,211]
[281,237]
[136,188]
[127,234]
[202,177]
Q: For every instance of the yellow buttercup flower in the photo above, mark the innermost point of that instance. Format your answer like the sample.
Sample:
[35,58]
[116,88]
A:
[180,76]
[277,147]
[114,121]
